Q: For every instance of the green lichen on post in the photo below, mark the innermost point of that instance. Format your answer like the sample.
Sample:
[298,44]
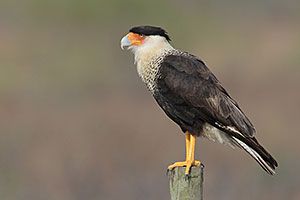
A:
[183,188]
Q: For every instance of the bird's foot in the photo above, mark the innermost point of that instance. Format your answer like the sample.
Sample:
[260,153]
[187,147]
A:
[188,164]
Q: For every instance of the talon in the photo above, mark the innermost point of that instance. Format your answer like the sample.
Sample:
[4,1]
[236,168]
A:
[187,164]
[168,172]
[197,163]
[177,164]
[187,177]
[188,168]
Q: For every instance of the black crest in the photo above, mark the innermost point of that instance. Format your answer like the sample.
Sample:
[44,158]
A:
[150,30]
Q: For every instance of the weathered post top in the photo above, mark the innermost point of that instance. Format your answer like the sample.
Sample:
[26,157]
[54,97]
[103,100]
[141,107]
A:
[183,188]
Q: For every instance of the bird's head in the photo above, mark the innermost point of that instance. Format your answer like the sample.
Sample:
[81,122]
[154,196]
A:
[145,38]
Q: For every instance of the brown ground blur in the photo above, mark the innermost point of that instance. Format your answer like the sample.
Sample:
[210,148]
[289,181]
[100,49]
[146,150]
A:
[77,123]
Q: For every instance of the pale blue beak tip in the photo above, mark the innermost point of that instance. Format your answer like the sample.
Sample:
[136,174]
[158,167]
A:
[125,42]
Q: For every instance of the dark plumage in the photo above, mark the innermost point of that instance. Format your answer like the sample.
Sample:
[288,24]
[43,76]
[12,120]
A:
[192,96]
[150,30]
[199,96]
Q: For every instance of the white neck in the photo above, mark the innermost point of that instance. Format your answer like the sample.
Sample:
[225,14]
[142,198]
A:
[153,46]
[146,57]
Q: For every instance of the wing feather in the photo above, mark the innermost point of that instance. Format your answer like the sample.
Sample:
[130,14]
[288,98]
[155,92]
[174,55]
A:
[198,95]
[190,78]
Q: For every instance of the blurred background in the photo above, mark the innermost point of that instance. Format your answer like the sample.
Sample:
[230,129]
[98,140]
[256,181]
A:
[76,122]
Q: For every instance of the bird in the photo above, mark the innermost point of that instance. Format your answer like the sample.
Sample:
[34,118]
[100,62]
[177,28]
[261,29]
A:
[191,95]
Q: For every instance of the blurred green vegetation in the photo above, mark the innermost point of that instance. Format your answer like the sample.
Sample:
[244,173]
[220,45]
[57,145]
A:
[69,97]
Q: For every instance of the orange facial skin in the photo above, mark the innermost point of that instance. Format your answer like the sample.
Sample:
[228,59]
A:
[135,39]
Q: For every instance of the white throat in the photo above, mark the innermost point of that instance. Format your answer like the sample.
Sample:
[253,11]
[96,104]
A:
[153,45]
[145,54]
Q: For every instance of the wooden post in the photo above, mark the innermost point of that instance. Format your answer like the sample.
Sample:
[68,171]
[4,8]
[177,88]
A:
[183,188]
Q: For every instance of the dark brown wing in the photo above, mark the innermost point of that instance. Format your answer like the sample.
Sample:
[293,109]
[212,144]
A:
[190,79]
[191,95]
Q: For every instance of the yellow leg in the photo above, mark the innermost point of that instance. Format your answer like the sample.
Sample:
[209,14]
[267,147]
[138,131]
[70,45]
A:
[187,143]
[190,142]
[190,161]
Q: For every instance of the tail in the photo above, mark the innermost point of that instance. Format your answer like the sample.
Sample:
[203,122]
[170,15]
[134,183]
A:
[256,151]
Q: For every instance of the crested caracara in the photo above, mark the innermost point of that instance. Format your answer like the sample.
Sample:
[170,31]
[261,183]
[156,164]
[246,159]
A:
[190,94]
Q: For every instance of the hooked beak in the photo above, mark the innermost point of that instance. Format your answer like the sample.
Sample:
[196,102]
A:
[132,39]
[125,42]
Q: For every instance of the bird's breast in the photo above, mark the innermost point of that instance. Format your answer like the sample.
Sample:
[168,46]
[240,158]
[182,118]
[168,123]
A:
[148,68]
[148,72]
